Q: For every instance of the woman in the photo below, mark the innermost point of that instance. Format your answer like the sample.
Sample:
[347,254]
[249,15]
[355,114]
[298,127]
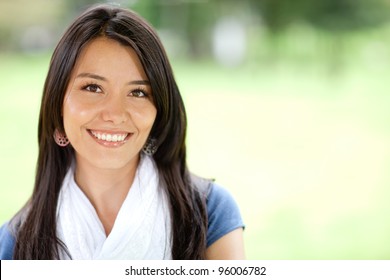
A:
[112,180]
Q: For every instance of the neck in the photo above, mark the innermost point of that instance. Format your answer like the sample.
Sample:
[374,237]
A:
[106,189]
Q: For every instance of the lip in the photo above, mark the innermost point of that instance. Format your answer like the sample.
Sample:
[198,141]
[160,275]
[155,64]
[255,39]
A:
[110,134]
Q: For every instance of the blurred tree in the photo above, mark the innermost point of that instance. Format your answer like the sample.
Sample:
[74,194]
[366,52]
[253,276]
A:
[336,18]
[20,19]
[151,10]
[279,14]
[200,20]
[347,15]
[78,5]
[339,18]
[190,20]
[334,15]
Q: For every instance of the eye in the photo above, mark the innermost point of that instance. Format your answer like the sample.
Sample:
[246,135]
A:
[138,93]
[93,88]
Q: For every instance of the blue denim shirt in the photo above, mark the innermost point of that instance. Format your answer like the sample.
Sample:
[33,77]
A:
[223,214]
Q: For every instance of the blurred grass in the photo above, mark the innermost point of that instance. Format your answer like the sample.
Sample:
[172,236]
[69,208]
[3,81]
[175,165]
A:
[22,79]
[305,153]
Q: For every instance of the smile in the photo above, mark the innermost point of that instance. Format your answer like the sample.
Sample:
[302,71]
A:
[109,137]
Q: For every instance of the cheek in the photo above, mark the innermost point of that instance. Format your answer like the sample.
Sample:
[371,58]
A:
[75,114]
[145,118]
[75,110]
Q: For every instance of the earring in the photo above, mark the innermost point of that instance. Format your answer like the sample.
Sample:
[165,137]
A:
[150,147]
[60,138]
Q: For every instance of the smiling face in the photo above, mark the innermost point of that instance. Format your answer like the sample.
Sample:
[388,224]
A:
[108,108]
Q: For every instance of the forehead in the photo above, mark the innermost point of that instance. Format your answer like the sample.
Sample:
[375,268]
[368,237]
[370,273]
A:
[109,58]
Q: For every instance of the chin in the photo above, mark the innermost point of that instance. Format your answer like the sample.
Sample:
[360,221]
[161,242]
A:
[113,164]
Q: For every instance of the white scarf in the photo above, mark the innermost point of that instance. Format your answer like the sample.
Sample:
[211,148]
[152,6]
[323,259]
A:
[142,229]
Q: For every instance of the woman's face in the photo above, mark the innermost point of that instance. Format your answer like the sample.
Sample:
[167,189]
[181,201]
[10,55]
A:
[108,108]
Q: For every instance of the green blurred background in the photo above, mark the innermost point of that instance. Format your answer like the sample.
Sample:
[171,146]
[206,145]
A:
[287,104]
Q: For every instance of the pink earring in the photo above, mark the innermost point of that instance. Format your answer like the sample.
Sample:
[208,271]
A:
[60,138]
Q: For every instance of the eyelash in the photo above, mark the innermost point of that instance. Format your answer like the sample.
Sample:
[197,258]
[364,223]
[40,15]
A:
[139,90]
[136,90]
[91,85]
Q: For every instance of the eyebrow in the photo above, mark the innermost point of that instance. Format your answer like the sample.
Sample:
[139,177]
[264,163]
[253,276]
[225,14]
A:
[97,77]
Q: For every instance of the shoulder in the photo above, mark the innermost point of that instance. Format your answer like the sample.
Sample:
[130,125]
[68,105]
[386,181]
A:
[223,213]
[7,242]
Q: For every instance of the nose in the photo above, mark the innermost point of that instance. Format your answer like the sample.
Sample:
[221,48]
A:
[114,110]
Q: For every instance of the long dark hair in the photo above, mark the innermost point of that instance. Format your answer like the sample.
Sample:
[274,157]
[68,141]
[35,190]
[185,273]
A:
[35,224]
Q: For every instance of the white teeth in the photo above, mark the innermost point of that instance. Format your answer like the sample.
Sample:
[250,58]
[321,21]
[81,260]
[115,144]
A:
[110,137]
